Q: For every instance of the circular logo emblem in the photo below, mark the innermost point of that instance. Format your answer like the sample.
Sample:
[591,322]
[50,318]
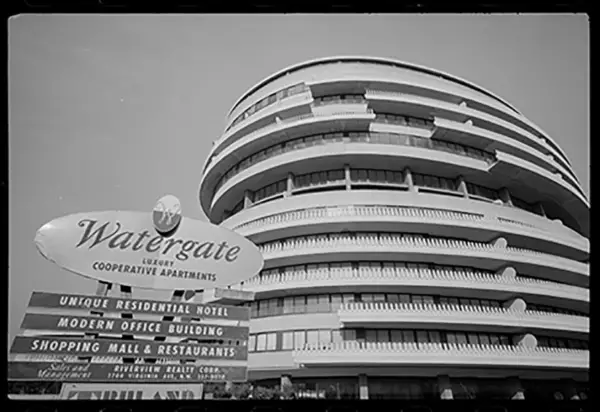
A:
[167,214]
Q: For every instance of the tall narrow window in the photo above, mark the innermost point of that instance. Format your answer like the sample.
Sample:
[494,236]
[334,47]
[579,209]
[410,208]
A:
[312,337]
[299,339]
[271,341]
[261,342]
[288,341]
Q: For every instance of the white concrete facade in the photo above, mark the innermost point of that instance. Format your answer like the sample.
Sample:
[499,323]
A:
[410,221]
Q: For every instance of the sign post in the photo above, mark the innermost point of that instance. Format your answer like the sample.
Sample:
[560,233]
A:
[161,251]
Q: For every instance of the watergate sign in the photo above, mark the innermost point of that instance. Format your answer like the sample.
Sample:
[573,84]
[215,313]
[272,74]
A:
[125,248]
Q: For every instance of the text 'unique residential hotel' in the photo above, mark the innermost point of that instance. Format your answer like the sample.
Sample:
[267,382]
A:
[421,237]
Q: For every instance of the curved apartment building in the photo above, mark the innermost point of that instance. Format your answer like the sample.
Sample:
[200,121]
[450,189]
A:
[422,238]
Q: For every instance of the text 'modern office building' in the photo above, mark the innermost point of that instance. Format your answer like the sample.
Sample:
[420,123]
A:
[422,238]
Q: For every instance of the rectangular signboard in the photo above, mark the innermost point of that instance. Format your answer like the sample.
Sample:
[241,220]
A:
[132,326]
[143,306]
[127,348]
[120,391]
[118,372]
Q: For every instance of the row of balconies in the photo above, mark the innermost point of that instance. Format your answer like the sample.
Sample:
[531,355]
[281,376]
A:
[546,230]
[498,125]
[282,124]
[394,139]
[461,112]
[431,278]
[385,313]
[248,137]
[452,109]
[393,181]
[394,353]
[317,213]
[396,243]
[397,308]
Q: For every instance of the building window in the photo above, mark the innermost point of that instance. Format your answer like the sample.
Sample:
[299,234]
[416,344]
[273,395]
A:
[261,342]
[312,337]
[371,335]
[271,341]
[287,341]
[336,301]
[324,336]
[299,339]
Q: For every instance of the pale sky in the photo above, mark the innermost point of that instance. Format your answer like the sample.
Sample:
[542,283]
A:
[112,112]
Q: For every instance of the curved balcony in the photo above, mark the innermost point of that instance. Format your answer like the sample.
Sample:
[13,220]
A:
[438,222]
[281,130]
[335,200]
[420,106]
[551,186]
[391,246]
[336,156]
[355,353]
[477,284]
[393,139]
[460,132]
[296,105]
[433,89]
[387,314]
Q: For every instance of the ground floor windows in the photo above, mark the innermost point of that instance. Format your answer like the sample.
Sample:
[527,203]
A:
[426,388]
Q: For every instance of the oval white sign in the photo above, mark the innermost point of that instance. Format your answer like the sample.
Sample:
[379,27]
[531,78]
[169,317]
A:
[124,248]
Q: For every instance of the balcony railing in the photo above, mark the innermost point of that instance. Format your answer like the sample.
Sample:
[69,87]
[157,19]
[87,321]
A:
[393,353]
[396,241]
[392,139]
[425,276]
[284,122]
[327,213]
[386,312]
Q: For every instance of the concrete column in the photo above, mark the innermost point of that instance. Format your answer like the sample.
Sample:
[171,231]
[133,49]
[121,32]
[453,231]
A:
[247,199]
[462,186]
[363,386]
[445,387]
[527,341]
[285,383]
[515,388]
[540,209]
[505,196]
[290,185]
[347,175]
[409,180]
[507,272]
[517,304]
[285,380]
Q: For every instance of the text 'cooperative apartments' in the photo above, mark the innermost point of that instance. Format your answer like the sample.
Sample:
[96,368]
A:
[421,237]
